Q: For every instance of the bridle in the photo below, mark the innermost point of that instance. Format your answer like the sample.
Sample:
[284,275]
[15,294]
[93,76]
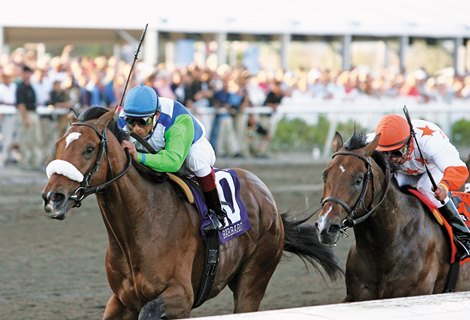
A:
[85,189]
[350,220]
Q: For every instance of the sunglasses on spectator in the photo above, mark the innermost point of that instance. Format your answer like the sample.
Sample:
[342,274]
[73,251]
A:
[141,121]
[400,153]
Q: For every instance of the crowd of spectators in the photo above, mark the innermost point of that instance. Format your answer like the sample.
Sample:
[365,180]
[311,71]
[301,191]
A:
[79,82]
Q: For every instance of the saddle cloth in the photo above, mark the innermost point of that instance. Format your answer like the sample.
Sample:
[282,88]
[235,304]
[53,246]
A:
[228,187]
[462,202]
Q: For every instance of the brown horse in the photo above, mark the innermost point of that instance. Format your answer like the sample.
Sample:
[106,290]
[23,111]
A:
[155,255]
[400,250]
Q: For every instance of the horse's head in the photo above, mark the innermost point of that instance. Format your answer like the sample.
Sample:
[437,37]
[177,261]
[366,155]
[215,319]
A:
[348,187]
[79,163]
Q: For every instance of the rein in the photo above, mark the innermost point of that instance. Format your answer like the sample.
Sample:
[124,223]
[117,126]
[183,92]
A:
[85,189]
[350,221]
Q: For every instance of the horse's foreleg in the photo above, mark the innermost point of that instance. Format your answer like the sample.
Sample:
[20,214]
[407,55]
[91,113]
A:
[116,310]
[173,303]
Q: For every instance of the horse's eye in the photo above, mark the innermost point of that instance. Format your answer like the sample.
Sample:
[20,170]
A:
[89,149]
[323,175]
[359,180]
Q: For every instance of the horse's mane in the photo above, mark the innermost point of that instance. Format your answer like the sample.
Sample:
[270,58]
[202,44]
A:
[359,140]
[95,112]
[356,141]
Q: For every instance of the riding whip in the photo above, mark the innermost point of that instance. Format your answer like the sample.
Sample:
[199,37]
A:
[119,106]
[433,182]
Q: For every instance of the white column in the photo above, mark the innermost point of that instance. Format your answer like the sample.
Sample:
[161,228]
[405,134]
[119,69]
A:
[467,56]
[117,51]
[232,54]
[386,57]
[170,54]
[346,52]
[285,45]
[381,54]
[221,49]
[41,51]
[151,47]
[2,38]
[402,52]
[457,57]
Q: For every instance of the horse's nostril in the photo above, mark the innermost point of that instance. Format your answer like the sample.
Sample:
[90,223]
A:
[58,197]
[53,196]
[334,228]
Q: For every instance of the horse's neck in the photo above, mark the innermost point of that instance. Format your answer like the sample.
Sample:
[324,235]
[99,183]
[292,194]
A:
[125,202]
[386,225]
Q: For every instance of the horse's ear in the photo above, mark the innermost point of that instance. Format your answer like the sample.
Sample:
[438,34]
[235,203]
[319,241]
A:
[370,148]
[106,118]
[337,142]
[72,116]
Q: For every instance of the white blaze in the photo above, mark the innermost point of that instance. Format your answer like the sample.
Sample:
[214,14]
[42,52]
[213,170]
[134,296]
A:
[322,221]
[64,168]
[343,169]
[71,137]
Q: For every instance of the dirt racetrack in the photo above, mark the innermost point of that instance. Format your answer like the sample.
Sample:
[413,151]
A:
[55,269]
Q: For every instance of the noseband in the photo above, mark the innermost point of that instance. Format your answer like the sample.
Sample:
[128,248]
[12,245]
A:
[85,189]
[350,221]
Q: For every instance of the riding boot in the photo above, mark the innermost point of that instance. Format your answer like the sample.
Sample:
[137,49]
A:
[459,228]
[215,210]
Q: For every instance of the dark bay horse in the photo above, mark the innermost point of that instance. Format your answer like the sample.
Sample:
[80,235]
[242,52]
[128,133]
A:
[155,255]
[400,249]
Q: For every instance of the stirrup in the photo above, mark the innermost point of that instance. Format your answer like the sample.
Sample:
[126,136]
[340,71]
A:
[467,187]
[217,223]
[462,249]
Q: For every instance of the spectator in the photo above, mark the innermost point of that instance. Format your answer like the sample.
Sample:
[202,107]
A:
[223,137]
[30,134]
[7,88]
[240,102]
[47,121]
[60,99]
[273,100]
[257,137]
[163,85]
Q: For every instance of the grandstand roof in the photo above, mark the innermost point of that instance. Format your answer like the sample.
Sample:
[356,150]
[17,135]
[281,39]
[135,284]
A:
[423,18]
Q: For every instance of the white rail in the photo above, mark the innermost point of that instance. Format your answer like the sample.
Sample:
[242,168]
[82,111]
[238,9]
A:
[430,307]
[364,111]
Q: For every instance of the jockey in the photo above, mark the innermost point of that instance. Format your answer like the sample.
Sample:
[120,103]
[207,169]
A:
[179,139]
[439,155]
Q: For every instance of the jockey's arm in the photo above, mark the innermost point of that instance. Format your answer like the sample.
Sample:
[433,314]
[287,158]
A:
[179,139]
[446,157]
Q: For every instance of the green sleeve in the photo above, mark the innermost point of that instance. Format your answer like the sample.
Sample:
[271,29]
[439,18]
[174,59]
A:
[178,140]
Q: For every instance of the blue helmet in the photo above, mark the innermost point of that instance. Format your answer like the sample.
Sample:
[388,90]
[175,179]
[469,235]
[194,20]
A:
[141,101]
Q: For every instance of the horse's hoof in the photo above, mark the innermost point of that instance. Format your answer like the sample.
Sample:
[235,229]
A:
[153,310]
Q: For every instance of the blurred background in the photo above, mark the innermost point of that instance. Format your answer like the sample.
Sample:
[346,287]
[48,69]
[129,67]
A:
[265,78]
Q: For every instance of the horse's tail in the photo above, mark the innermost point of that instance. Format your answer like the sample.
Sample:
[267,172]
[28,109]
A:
[302,240]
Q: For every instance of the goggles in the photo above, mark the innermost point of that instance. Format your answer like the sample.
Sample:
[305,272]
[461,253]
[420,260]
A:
[400,153]
[141,121]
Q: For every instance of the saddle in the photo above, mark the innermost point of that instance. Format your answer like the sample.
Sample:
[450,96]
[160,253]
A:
[462,202]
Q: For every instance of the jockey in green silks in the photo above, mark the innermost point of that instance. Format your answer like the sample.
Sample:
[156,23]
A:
[179,139]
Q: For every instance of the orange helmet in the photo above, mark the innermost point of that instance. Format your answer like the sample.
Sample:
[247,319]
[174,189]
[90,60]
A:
[394,132]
